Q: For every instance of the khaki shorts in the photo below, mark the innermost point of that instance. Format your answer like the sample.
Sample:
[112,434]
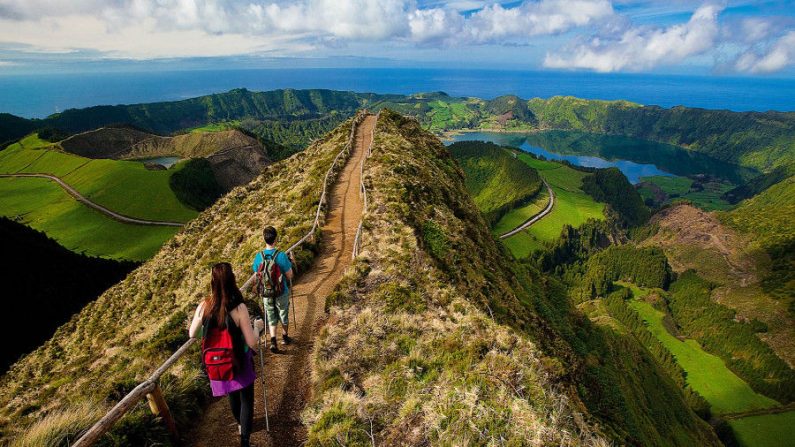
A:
[277,309]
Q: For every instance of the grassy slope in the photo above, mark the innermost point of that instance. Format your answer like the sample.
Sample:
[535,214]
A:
[706,373]
[710,199]
[759,140]
[413,352]
[125,187]
[772,430]
[109,183]
[767,219]
[497,181]
[572,206]
[768,216]
[46,207]
[520,215]
[113,342]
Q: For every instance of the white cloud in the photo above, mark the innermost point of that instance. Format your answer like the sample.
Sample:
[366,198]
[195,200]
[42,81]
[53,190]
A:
[495,22]
[780,55]
[640,48]
[161,28]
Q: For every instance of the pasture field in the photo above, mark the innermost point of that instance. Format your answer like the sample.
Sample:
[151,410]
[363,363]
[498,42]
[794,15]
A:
[706,373]
[572,206]
[44,206]
[518,216]
[216,127]
[770,430]
[125,187]
[709,199]
[446,115]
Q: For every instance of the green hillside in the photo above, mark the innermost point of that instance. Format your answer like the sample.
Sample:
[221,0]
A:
[761,140]
[572,206]
[768,219]
[423,319]
[760,183]
[126,187]
[612,187]
[112,343]
[498,182]
[433,326]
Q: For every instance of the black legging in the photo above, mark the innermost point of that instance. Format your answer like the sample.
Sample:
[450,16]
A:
[242,403]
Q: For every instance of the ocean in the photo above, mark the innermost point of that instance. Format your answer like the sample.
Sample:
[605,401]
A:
[36,96]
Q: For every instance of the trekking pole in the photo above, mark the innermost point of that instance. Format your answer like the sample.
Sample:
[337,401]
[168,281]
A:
[292,304]
[264,383]
[262,365]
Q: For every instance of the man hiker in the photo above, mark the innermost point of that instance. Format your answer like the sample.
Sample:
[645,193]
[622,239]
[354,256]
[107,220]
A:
[274,271]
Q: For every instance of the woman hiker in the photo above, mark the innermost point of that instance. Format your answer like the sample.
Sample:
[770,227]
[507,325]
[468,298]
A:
[228,345]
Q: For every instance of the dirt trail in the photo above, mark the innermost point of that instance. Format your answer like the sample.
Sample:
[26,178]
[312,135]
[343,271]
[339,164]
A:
[288,372]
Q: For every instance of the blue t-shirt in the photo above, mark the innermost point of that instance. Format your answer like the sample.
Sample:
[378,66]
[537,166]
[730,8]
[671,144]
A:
[281,260]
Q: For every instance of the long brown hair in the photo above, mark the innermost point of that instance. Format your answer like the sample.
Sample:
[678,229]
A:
[225,295]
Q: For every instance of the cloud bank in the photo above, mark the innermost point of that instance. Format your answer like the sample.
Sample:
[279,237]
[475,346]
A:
[641,48]
[597,35]
[162,28]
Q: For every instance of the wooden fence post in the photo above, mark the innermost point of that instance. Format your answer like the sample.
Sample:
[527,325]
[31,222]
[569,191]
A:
[159,407]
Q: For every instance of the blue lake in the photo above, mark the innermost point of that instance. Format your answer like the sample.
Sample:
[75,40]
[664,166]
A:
[168,162]
[634,157]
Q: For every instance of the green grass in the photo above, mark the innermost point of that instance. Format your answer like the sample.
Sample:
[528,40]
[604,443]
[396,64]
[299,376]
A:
[125,187]
[709,199]
[572,207]
[43,205]
[520,215]
[446,115]
[706,373]
[216,127]
[770,430]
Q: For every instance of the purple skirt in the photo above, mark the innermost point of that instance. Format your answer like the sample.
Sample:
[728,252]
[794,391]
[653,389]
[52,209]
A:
[244,378]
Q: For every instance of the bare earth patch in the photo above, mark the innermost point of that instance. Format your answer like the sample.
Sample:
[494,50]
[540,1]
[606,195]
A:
[694,239]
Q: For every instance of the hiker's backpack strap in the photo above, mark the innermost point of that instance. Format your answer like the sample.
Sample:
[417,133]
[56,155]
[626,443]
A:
[261,267]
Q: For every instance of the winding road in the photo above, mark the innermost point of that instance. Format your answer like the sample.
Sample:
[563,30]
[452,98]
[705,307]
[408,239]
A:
[535,218]
[82,199]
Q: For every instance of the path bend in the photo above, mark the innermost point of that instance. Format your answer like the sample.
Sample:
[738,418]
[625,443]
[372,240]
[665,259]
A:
[288,372]
[85,201]
[535,218]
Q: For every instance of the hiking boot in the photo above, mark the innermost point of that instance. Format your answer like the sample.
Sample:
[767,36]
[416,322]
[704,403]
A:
[274,348]
[286,339]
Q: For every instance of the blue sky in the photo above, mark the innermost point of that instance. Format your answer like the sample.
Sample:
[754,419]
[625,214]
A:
[738,38]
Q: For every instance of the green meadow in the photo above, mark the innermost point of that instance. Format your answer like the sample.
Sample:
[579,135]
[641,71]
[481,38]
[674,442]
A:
[572,207]
[706,373]
[125,187]
[449,114]
[216,127]
[769,430]
[46,207]
[520,215]
[709,199]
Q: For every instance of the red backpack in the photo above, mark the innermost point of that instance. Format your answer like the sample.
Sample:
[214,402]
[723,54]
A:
[218,351]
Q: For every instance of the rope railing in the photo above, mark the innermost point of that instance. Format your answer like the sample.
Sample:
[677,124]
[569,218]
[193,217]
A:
[150,388]
[357,241]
